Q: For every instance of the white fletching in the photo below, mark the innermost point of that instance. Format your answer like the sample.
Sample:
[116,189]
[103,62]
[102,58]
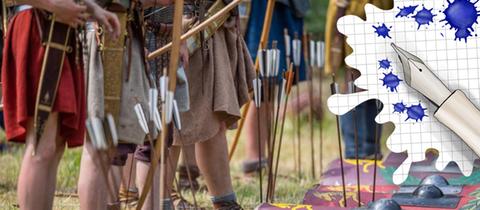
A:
[163,87]
[157,120]
[169,107]
[271,63]
[141,118]
[320,54]
[277,55]
[113,128]
[91,133]
[152,101]
[176,116]
[313,53]
[288,49]
[297,52]
[99,132]
[257,91]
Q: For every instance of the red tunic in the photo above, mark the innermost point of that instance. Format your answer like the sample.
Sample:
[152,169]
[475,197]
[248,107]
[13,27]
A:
[22,63]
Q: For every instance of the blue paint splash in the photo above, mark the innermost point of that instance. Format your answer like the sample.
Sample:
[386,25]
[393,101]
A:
[383,30]
[384,64]
[406,11]
[424,17]
[461,15]
[391,81]
[399,107]
[416,112]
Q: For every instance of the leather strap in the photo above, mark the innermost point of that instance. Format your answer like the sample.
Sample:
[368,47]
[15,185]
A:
[57,44]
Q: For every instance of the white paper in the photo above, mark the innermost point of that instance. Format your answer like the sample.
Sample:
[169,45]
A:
[455,62]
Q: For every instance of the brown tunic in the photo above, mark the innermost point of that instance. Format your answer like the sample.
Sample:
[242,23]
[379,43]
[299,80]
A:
[218,85]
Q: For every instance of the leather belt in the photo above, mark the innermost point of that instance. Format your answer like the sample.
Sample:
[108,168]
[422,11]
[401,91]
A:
[56,42]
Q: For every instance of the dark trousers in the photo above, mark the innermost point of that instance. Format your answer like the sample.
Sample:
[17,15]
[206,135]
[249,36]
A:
[364,115]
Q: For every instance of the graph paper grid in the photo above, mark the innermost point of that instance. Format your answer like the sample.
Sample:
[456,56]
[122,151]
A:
[455,62]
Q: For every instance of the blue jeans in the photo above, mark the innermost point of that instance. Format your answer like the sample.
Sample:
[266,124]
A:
[365,114]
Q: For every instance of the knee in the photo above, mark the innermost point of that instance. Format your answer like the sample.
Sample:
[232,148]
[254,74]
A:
[45,156]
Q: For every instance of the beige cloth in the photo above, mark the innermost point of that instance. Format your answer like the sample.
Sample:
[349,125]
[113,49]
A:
[133,91]
[218,86]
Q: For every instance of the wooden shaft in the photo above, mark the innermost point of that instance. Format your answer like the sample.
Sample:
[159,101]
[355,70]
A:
[176,42]
[160,145]
[195,30]
[267,22]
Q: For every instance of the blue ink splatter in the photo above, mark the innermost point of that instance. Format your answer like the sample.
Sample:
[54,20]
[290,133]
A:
[391,81]
[399,107]
[382,30]
[416,112]
[384,64]
[406,11]
[424,17]
[461,15]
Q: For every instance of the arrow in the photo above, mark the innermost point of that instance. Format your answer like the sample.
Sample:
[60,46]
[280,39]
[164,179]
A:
[263,44]
[334,88]
[161,143]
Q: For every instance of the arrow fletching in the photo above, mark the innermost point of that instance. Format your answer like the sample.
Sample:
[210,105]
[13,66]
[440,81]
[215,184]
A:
[288,41]
[297,52]
[141,118]
[313,53]
[153,102]
[113,129]
[320,54]
[163,87]
[169,107]
[176,116]
[257,92]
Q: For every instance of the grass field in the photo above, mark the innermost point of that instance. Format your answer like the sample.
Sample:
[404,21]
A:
[290,188]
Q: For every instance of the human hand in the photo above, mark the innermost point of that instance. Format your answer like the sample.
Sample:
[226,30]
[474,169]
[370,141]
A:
[69,12]
[108,20]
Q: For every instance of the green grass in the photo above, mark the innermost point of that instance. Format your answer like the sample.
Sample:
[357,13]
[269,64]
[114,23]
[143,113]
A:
[290,188]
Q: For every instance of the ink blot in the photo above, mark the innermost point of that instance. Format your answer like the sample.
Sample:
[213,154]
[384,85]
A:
[382,30]
[424,17]
[406,11]
[461,15]
[399,107]
[384,64]
[391,81]
[416,112]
